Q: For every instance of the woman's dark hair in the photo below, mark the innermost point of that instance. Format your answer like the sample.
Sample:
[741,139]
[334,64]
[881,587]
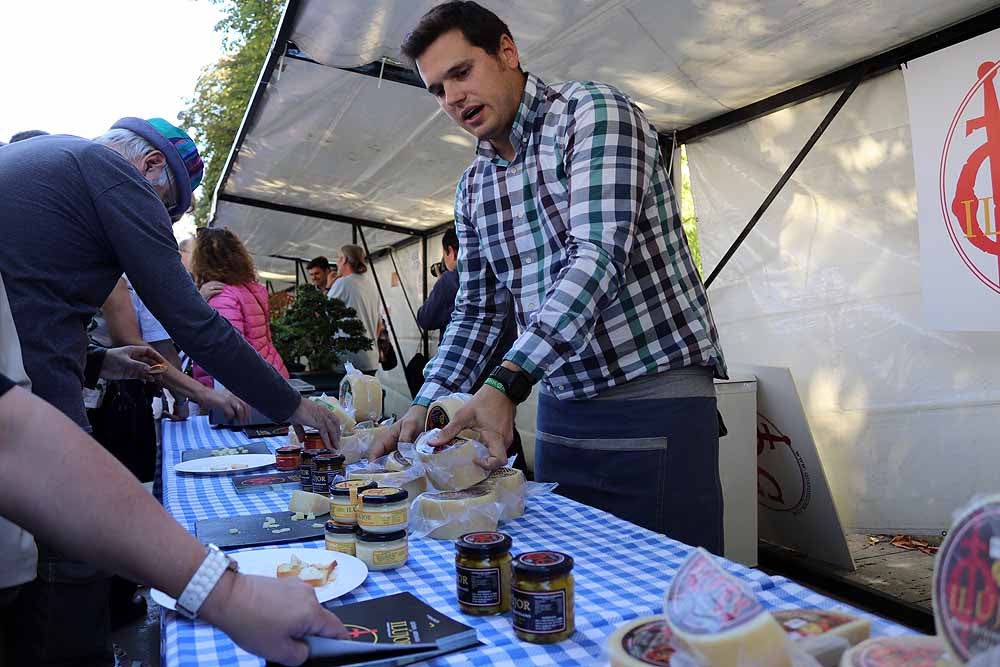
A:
[449,240]
[220,255]
[480,26]
[355,256]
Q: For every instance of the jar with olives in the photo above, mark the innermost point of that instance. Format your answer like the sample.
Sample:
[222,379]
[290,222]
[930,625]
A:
[542,597]
[482,573]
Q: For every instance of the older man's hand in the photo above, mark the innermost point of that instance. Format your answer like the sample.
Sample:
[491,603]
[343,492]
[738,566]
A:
[132,362]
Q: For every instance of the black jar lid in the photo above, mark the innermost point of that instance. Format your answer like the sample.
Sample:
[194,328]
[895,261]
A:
[365,536]
[338,529]
[383,496]
[484,543]
[313,453]
[542,563]
[345,490]
[335,460]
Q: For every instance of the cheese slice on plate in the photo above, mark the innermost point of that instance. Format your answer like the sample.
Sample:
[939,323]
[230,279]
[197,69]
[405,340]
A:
[898,652]
[717,615]
[966,588]
[303,502]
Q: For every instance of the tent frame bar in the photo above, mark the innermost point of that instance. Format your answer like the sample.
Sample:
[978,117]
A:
[870,67]
[323,215]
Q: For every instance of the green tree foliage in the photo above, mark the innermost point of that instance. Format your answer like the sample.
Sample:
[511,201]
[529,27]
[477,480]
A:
[688,216]
[214,113]
[319,329]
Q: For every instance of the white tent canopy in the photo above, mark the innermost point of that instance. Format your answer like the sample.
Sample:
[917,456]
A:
[325,150]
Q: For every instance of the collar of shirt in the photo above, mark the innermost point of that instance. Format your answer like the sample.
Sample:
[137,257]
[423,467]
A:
[535,93]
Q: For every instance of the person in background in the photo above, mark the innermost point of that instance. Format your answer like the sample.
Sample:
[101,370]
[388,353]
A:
[221,257]
[357,291]
[92,211]
[264,615]
[27,134]
[186,247]
[567,209]
[322,273]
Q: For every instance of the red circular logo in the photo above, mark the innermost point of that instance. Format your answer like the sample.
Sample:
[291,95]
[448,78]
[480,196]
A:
[483,538]
[542,558]
[782,479]
[968,187]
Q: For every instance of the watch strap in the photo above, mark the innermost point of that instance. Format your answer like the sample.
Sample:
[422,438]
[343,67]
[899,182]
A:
[204,581]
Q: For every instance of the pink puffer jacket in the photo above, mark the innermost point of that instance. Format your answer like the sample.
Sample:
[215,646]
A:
[246,307]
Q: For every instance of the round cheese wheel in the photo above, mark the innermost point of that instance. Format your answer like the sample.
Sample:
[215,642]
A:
[967,573]
[717,615]
[451,514]
[361,395]
[396,461]
[452,467]
[644,641]
[354,444]
[412,482]
[508,483]
[804,623]
[442,411]
[898,652]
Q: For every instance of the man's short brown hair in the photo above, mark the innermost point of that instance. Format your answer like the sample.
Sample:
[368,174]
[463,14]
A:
[480,26]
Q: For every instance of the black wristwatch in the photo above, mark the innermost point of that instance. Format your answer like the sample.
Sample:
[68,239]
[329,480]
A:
[516,385]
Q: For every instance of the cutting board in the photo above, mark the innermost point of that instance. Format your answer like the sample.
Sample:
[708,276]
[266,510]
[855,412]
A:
[250,447]
[252,532]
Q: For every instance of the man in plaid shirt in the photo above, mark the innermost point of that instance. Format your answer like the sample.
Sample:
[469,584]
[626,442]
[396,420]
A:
[568,211]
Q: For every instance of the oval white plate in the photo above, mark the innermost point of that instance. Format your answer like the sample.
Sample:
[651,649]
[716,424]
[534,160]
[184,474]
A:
[224,465]
[348,575]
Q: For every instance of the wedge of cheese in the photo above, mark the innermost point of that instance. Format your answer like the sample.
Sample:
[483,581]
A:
[966,581]
[304,503]
[899,652]
[718,616]
[643,642]
[346,420]
[452,467]
[361,395]
[448,514]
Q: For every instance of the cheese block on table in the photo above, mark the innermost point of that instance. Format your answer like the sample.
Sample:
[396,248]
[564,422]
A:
[452,467]
[644,641]
[508,484]
[717,615]
[304,502]
[913,651]
[966,588]
[361,395]
[447,515]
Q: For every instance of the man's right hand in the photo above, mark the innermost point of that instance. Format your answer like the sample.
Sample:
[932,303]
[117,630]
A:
[131,362]
[270,617]
[406,429]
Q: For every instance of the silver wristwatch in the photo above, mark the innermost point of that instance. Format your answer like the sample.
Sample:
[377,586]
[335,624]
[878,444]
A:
[203,582]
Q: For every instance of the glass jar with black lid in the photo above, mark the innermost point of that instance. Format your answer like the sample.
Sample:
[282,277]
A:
[483,573]
[542,597]
[326,467]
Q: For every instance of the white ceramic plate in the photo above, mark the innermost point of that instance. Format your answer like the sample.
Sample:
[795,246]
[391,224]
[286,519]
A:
[224,465]
[348,575]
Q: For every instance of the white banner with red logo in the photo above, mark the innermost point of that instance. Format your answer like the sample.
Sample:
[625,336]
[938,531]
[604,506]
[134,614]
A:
[955,129]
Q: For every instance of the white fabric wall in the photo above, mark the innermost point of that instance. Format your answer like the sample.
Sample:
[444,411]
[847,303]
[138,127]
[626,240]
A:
[828,284]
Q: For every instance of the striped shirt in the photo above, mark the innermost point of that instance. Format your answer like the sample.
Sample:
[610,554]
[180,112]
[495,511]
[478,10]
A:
[582,230]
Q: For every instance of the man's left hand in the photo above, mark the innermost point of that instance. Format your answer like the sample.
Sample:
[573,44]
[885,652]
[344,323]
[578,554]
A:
[131,362]
[490,413]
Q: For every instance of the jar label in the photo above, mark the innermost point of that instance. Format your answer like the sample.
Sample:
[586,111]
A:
[374,518]
[342,547]
[478,587]
[389,556]
[319,482]
[539,613]
[341,511]
[305,477]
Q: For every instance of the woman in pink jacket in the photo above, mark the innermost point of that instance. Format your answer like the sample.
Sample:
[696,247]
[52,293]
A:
[219,256]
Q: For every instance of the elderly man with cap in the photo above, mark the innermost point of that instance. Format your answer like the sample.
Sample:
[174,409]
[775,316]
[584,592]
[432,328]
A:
[75,215]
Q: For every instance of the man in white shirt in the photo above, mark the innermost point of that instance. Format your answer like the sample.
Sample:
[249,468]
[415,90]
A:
[357,291]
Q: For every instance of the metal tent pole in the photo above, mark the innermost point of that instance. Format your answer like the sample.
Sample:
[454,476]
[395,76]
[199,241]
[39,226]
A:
[773,194]
[381,297]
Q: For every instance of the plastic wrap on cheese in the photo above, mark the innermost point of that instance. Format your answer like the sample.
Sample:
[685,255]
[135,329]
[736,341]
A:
[361,395]
[411,479]
[896,651]
[718,618]
[446,515]
[354,444]
[966,589]
[346,420]
[512,491]
[452,467]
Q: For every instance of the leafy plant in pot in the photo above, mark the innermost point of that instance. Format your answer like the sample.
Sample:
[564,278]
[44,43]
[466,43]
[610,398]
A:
[320,329]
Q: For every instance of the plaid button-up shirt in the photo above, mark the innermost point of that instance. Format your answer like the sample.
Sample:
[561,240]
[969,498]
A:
[582,230]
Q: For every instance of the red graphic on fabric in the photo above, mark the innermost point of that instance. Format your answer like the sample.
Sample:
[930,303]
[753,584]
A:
[975,214]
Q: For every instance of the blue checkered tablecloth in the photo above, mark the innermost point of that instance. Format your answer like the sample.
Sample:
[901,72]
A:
[621,570]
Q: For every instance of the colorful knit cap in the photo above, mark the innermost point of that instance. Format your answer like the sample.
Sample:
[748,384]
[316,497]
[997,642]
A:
[181,153]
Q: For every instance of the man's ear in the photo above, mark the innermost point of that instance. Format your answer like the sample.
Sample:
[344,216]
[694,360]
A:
[508,52]
[153,160]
